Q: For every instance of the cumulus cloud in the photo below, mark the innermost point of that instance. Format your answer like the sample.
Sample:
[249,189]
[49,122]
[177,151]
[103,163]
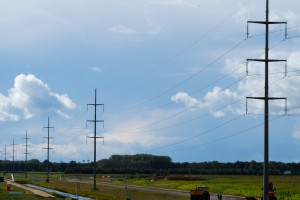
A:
[32,96]
[252,86]
[185,98]
[121,29]
[211,102]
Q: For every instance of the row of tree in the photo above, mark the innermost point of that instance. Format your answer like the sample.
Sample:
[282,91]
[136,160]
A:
[148,164]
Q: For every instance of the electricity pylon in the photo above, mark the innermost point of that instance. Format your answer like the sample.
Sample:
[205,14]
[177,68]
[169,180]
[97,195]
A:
[26,153]
[95,134]
[266,98]
[48,148]
[13,151]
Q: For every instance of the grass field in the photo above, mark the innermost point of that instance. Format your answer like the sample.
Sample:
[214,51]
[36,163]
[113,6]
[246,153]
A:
[59,182]
[4,194]
[288,187]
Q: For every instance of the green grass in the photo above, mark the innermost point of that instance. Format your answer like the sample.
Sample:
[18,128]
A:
[103,192]
[4,194]
[288,187]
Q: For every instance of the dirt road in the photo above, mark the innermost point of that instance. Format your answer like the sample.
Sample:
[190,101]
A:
[160,190]
[35,191]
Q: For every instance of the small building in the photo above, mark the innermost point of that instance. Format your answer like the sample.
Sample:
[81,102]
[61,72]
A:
[287,172]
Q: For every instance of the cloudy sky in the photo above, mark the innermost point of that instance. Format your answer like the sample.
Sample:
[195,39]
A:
[172,75]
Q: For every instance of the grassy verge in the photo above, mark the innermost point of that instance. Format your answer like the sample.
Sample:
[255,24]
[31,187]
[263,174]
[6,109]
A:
[59,182]
[4,194]
[288,187]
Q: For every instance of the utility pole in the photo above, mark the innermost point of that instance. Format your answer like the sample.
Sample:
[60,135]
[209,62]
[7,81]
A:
[5,160]
[48,148]
[13,144]
[266,98]
[95,134]
[26,153]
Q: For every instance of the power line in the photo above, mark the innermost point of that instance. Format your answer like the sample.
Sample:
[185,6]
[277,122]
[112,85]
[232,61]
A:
[185,80]
[223,138]
[220,109]
[182,111]
[202,133]
[190,107]
[195,74]
[186,48]
[194,92]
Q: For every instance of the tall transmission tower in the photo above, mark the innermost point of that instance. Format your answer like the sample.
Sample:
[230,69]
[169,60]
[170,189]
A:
[48,148]
[95,133]
[266,97]
[26,153]
[13,151]
[5,160]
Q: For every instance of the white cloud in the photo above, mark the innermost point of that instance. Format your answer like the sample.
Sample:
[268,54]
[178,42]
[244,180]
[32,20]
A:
[279,85]
[287,16]
[96,69]
[70,151]
[137,134]
[189,101]
[252,86]
[33,97]
[212,101]
[5,113]
[296,135]
[122,30]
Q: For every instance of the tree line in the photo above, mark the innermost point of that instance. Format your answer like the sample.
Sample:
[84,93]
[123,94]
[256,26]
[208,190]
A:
[149,164]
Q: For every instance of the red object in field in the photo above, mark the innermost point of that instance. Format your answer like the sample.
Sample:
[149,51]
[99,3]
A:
[8,187]
[272,192]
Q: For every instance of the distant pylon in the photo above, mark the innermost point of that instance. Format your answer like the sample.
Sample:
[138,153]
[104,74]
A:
[95,134]
[13,151]
[48,148]
[5,160]
[26,153]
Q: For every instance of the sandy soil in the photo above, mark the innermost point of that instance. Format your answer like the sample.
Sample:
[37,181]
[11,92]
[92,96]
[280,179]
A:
[35,191]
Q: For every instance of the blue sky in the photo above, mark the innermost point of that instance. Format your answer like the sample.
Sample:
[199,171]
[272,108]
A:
[171,73]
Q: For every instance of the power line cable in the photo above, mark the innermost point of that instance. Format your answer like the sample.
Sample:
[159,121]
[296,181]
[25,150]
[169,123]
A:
[185,49]
[182,111]
[185,80]
[223,138]
[195,74]
[219,125]
[204,132]
[174,115]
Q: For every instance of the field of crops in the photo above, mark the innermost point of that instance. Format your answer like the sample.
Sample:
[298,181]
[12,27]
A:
[287,187]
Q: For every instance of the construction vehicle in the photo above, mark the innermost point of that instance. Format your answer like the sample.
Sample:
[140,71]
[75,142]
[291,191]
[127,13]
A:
[200,193]
[272,192]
